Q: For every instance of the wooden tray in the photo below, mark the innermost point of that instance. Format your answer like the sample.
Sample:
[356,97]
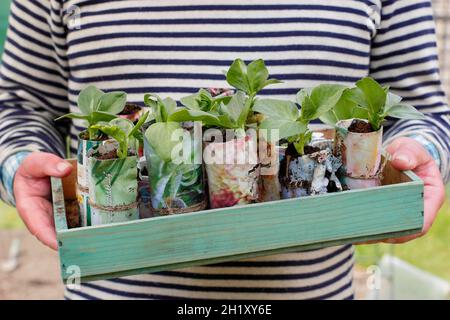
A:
[164,243]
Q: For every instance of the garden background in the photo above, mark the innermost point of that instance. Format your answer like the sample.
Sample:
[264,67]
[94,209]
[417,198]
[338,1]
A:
[33,271]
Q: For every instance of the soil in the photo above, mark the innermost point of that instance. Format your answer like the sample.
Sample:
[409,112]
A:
[359,126]
[72,214]
[108,156]
[291,151]
[85,136]
[130,109]
[111,155]
[144,172]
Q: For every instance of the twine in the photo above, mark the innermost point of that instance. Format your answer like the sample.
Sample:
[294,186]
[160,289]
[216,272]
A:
[113,208]
[171,211]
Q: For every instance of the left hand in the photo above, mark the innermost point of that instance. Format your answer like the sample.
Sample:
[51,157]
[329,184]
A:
[408,154]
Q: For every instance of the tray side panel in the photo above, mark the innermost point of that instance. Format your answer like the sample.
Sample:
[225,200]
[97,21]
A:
[228,234]
[59,207]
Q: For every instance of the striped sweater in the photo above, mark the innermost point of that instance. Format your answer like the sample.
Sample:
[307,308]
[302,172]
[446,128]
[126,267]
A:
[55,48]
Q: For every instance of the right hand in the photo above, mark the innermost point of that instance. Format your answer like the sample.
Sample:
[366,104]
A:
[32,192]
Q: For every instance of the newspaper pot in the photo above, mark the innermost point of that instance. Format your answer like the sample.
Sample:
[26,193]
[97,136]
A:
[269,188]
[84,147]
[175,188]
[361,155]
[144,196]
[311,174]
[233,173]
[113,187]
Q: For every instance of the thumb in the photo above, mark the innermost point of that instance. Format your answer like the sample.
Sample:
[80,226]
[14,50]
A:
[41,165]
[408,154]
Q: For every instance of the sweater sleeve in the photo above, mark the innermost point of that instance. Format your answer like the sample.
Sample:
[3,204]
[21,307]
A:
[404,57]
[33,82]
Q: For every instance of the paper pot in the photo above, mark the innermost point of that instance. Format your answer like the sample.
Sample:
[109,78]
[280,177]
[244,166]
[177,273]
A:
[311,174]
[144,195]
[233,173]
[84,146]
[361,155]
[175,187]
[269,188]
[361,152]
[113,190]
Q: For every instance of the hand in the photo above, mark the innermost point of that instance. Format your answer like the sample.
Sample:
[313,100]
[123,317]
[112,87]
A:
[32,192]
[408,154]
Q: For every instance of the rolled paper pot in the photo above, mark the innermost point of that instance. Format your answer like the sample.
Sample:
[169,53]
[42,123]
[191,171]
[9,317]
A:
[84,146]
[310,174]
[233,172]
[144,196]
[113,190]
[269,183]
[361,152]
[354,184]
[175,188]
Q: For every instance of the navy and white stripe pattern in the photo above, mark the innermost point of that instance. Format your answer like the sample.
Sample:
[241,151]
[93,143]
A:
[175,47]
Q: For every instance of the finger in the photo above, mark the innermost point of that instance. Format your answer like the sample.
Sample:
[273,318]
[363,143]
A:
[408,154]
[36,213]
[42,165]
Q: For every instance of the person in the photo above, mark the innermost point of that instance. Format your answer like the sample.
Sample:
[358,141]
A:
[56,48]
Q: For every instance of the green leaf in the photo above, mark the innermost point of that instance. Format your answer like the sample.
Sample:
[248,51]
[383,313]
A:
[235,107]
[183,115]
[99,116]
[151,100]
[405,111]
[277,109]
[226,122]
[117,133]
[286,128]
[392,99]
[74,116]
[301,141]
[112,102]
[170,106]
[89,99]
[161,109]
[159,136]
[344,109]
[326,97]
[123,124]
[308,109]
[270,82]
[135,132]
[237,76]
[193,101]
[318,101]
[257,74]
[373,95]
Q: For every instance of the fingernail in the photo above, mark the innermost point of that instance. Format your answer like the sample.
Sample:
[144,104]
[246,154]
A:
[403,158]
[62,167]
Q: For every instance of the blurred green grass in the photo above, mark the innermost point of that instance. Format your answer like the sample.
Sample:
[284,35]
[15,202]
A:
[9,218]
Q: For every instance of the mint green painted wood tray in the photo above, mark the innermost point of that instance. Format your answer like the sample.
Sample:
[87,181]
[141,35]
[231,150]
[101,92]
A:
[212,236]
